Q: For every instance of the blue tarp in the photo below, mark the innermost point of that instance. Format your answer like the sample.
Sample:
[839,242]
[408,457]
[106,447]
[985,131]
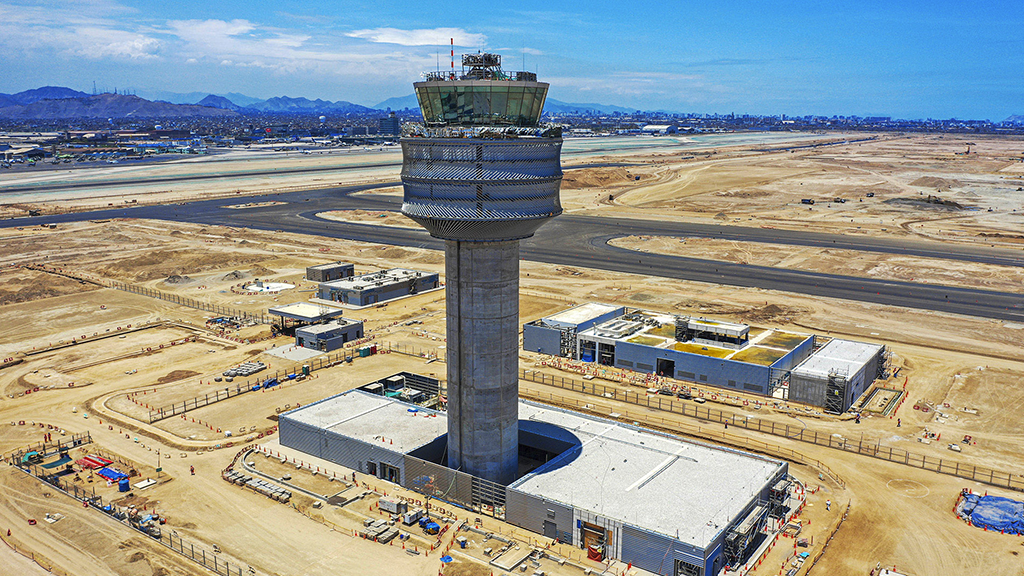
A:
[995,513]
[111,474]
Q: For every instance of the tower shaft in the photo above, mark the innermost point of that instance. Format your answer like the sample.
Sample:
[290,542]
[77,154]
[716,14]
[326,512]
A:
[482,283]
[482,173]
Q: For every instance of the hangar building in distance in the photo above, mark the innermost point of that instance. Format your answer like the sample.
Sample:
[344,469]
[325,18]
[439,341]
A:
[830,373]
[662,503]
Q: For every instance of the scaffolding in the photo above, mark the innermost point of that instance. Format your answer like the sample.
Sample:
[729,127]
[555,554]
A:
[779,379]
[835,391]
[740,537]
[567,343]
[884,363]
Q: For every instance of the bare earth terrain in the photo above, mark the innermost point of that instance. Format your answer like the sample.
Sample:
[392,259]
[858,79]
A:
[78,367]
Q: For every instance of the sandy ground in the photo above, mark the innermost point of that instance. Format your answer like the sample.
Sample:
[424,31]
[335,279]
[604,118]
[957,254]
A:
[835,261]
[899,515]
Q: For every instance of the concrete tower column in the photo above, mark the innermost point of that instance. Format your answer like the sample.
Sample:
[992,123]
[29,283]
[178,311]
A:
[482,173]
[482,283]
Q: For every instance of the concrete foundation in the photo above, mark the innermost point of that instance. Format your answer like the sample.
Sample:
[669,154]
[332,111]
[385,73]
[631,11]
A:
[483,351]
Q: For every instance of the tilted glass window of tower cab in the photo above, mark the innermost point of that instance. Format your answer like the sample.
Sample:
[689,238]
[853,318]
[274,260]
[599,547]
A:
[481,94]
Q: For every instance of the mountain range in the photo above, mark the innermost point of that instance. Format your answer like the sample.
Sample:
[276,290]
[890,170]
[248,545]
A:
[106,106]
[73,103]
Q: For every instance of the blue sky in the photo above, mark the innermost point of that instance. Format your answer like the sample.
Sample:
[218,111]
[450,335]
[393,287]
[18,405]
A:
[903,59]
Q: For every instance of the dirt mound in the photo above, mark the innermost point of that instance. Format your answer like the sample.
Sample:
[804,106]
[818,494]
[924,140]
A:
[158,264]
[394,252]
[176,375]
[934,182]
[595,177]
[177,279]
[236,275]
[37,286]
[261,271]
[136,557]
[770,312]
[177,233]
[721,216]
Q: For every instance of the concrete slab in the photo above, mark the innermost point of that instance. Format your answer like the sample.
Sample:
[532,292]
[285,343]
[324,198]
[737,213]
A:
[511,558]
[294,353]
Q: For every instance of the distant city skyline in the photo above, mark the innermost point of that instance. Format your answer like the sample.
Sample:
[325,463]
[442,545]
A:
[904,60]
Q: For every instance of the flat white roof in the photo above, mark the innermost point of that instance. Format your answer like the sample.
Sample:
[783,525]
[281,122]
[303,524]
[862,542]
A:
[374,419]
[580,314]
[305,311]
[331,265]
[327,327]
[844,356]
[665,484]
[383,278]
[661,483]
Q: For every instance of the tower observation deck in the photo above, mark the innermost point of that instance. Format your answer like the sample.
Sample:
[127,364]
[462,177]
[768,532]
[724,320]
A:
[482,173]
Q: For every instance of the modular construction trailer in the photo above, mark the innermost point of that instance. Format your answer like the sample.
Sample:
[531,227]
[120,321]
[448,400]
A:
[665,504]
[828,373]
[377,287]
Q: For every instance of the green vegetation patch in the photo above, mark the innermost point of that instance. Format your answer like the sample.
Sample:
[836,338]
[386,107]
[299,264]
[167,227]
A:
[783,340]
[646,340]
[701,349]
[758,355]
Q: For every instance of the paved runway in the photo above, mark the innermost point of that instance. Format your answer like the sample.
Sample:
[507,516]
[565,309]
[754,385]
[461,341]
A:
[581,241]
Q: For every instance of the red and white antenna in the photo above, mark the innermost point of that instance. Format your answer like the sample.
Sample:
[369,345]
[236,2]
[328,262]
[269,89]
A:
[453,58]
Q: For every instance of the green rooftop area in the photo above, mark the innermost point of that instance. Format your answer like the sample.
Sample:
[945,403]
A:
[701,349]
[647,340]
[783,340]
[758,355]
[665,331]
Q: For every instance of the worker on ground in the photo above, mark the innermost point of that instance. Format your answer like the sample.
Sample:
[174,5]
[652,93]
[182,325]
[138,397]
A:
[828,505]
[192,470]
[899,422]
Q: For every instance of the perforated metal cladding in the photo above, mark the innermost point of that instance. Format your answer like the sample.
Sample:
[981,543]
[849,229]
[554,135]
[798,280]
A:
[476,189]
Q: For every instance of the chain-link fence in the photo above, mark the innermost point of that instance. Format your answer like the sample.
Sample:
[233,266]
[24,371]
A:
[708,414]
[45,449]
[217,309]
[207,557]
[234,389]
[428,352]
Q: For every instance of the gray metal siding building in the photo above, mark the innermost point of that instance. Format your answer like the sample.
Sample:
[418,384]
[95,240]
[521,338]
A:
[329,336]
[378,287]
[660,502]
[824,372]
[542,339]
[329,272]
[694,367]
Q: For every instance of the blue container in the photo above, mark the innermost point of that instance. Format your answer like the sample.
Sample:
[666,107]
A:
[587,356]
[123,485]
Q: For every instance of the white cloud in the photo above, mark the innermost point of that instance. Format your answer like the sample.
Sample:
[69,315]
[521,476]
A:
[422,37]
[245,44]
[88,29]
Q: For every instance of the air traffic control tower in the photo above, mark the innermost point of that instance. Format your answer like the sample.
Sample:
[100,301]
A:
[482,174]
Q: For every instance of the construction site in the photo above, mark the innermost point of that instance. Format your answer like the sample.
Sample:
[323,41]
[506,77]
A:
[180,397]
